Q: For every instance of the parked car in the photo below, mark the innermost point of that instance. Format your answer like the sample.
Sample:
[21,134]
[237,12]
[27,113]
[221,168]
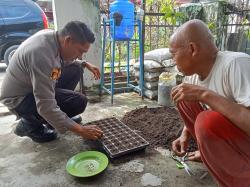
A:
[19,19]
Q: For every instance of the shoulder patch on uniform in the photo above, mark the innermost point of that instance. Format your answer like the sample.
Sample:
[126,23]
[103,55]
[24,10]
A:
[55,74]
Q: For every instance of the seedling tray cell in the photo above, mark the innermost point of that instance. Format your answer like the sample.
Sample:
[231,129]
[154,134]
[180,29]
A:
[118,139]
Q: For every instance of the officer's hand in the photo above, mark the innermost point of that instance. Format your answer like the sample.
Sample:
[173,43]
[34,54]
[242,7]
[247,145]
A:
[94,70]
[91,132]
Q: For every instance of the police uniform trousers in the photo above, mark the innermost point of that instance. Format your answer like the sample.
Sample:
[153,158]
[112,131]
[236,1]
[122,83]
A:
[69,101]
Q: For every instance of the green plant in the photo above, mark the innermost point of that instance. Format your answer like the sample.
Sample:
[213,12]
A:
[168,7]
[245,23]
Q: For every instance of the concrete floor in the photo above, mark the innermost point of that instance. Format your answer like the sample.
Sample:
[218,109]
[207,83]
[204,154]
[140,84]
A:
[25,163]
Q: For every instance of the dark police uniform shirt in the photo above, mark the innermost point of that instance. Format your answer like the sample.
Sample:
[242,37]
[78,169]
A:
[35,67]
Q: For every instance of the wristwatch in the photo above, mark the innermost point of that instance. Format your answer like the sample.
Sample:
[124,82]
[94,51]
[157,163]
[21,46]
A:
[83,64]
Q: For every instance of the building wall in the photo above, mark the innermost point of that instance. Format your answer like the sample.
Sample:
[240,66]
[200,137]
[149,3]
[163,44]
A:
[88,12]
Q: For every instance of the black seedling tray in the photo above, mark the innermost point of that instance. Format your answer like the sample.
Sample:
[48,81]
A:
[118,139]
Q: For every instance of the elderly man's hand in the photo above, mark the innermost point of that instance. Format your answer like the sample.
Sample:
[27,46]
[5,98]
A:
[179,146]
[188,92]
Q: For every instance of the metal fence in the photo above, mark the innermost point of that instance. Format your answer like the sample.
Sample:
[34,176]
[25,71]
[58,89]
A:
[157,31]
[237,33]
[234,30]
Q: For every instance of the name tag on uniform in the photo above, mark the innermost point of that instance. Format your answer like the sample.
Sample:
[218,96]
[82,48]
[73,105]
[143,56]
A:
[55,74]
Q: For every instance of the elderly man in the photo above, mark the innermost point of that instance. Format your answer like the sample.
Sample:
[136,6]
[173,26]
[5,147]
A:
[214,102]
[34,91]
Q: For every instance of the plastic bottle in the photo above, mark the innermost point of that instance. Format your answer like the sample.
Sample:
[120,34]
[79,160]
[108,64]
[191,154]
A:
[166,82]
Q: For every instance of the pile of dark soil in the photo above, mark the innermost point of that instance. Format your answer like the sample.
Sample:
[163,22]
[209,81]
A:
[159,126]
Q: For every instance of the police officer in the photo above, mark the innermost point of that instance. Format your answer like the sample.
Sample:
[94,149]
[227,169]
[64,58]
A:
[40,79]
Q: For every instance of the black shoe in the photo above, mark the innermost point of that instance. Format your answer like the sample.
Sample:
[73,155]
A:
[38,133]
[77,119]
[49,126]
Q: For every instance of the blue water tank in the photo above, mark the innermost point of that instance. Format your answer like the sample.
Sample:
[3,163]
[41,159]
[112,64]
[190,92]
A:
[125,8]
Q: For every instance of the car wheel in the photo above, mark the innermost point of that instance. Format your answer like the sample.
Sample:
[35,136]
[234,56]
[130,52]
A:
[9,53]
